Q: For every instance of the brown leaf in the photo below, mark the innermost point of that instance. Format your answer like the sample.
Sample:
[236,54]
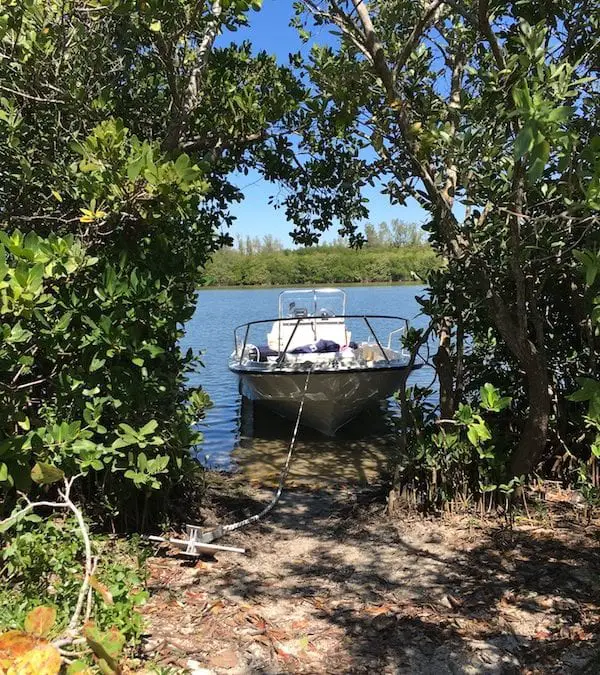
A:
[283,654]
[215,607]
[13,644]
[102,589]
[377,610]
[43,659]
[25,654]
[224,659]
[40,620]
[257,621]
[542,635]
[318,603]
[301,624]
[577,632]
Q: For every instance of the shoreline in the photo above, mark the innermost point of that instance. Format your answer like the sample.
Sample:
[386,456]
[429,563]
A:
[333,284]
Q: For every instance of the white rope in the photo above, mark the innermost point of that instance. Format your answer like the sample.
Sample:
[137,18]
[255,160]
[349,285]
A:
[199,541]
[284,473]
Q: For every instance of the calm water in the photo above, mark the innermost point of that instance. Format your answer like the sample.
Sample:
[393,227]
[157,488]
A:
[234,436]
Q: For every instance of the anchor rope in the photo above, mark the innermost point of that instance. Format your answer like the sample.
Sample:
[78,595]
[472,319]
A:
[284,473]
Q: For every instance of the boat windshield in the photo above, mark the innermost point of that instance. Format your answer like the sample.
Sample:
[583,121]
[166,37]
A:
[321,302]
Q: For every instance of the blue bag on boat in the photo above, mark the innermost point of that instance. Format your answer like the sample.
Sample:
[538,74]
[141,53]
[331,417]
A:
[319,347]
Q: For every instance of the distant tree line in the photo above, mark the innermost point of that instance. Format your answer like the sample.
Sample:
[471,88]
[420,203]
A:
[393,252]
[393,235]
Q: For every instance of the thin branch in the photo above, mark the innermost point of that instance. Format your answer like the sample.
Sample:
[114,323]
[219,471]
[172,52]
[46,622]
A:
[486,30]
[375,48]
[27,385]
[88,558]
[182,113]
[66,503]
[208,143]
[343,22]
[454,107]
[30,96]
[428,17]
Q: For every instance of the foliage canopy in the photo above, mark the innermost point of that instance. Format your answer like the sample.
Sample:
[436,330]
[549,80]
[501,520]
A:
[487,115]
[120,123]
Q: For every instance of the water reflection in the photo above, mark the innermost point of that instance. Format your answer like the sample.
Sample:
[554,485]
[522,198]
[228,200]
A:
[359,452]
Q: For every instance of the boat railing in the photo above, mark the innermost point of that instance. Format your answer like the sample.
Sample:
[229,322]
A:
[321,294]
[367,318]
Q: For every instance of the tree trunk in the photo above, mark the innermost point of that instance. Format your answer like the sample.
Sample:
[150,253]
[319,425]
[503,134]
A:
[532,360]
[535,431]
[443,366]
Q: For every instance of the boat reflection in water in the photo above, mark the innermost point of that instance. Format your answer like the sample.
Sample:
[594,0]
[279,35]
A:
[360,452]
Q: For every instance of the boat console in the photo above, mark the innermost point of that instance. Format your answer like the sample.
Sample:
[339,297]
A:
[312,331]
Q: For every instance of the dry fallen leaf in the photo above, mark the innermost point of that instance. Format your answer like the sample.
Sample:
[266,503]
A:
[318,603]
[216,607]
[300,624]
[224,659]
[377,610]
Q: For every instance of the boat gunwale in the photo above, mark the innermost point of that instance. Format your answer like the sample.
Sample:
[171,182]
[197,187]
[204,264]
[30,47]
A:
[240,370]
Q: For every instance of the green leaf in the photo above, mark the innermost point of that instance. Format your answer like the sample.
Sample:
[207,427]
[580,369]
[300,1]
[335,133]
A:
[78,667]
[134,168]
[148,428]
[45,474]
[25,423]
[128,430]
[124,442]
[96,364]
[182,164]
[464,414]
[491,399]
[590,261]
[22,274]
[561,114]
[155,26]
[473,436]
[524,141]
[106,645]
[539,159]
[588,389]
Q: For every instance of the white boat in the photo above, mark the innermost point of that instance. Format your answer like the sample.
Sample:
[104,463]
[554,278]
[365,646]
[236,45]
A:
[311,337]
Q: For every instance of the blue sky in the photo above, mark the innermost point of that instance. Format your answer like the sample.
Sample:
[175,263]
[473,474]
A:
[269,30]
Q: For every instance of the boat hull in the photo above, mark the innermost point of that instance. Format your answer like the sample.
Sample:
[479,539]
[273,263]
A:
[332,398]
